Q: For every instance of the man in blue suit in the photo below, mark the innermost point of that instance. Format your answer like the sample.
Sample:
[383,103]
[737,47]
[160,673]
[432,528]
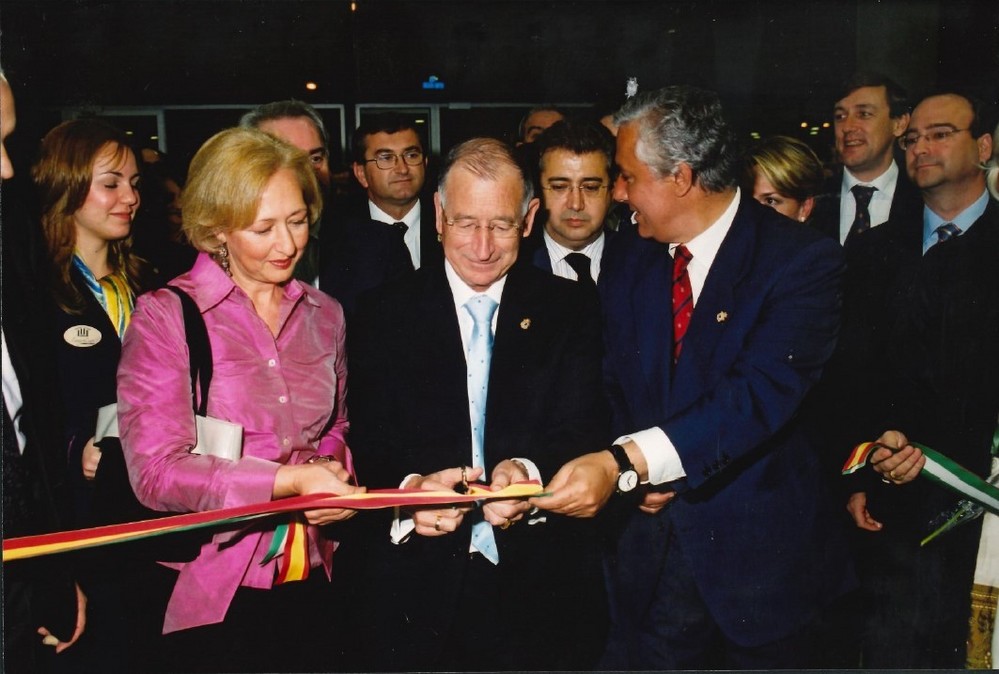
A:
[728,561]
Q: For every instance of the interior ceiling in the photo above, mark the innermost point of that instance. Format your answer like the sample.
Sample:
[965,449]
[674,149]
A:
[758,54]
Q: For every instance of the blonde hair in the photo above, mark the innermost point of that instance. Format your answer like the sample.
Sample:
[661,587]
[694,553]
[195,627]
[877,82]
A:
[63,176]
[227,178]
[789,165]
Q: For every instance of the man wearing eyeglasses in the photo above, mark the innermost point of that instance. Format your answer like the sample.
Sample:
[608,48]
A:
[869,115]
[933,364]
[475,369]
[576,169]
[389,230]
[299,124]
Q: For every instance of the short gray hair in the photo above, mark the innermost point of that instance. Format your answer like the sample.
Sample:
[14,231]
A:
[684,125]
[291,108]
[485,158]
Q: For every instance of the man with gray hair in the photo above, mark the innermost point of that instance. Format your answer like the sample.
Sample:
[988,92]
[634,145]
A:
[475,369]
[299,124]
[718,318]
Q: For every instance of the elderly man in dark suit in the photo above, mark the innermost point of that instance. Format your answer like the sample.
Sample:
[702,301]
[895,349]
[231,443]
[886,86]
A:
[390,229]
[717,323]
[440,393]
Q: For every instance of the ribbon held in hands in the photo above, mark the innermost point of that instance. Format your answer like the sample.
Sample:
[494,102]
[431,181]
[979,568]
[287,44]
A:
[66,541]
[941,470]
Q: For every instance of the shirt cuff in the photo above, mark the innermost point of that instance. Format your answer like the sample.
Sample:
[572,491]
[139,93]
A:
[402,525]
[659,452]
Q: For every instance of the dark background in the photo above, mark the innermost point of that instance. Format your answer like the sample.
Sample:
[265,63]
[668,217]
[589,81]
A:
[776,63]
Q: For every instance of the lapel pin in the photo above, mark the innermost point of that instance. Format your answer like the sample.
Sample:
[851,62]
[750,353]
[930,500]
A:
[722,316]
[525,324]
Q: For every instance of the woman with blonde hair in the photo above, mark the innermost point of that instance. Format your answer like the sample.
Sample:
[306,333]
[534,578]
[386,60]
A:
[279,372]
[786,175]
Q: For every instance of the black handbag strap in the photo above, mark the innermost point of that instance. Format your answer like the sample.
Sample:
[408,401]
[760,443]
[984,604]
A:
[199,347]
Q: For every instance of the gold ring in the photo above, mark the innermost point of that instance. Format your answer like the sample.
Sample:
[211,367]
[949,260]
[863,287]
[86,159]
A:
[506,525]
[891,474]
[437,523]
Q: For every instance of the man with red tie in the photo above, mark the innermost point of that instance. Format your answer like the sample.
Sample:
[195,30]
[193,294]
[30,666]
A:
[719,317]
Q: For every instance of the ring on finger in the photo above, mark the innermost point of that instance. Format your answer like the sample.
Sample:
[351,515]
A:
[891,474]
[437,523]
[506,525]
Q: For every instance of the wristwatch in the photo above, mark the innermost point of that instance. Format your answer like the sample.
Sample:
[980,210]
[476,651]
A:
[627,478]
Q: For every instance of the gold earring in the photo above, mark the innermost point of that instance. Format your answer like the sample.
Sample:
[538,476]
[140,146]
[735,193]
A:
[223,259]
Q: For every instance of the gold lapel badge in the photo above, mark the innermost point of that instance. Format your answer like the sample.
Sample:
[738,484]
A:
[525,324]
[722,316]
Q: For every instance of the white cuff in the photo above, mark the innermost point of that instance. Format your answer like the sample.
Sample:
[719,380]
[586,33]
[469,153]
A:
[659,452]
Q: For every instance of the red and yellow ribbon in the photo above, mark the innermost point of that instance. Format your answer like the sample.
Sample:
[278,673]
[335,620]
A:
[25,547]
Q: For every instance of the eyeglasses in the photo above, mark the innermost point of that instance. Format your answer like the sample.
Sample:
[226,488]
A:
[466,227]
[388,160]
[935,135]
[565,189]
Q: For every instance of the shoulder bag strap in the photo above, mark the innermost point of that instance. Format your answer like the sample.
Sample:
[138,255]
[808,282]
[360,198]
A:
[199,347]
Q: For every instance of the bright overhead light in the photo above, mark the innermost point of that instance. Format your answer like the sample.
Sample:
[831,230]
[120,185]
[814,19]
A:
[804,125]
[311,86]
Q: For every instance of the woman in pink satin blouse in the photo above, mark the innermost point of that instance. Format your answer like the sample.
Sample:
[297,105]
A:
[280,372]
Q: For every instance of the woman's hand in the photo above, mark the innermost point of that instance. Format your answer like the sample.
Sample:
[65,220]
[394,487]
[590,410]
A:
[317,478]
[91,458]
[441,521]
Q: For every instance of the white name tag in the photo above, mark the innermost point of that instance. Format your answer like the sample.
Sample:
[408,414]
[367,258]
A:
[82,336]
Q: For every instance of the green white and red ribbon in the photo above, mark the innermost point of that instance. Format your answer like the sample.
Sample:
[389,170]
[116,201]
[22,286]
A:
[25,547]
[941,470]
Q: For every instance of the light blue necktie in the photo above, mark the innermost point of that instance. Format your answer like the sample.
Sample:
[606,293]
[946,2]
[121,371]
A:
[480,352]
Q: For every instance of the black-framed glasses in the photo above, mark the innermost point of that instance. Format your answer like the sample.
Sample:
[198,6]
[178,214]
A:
[564,189]
[936,134]
[388,160]
[498,227]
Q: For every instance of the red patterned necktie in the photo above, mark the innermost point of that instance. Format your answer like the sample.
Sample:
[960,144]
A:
[683,299]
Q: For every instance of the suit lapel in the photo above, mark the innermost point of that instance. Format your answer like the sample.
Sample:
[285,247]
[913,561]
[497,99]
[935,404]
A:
[653,315]
[715,307]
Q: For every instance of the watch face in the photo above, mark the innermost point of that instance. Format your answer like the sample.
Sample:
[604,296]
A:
[627,481]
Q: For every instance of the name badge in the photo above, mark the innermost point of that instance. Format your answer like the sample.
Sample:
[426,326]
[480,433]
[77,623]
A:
[82,336]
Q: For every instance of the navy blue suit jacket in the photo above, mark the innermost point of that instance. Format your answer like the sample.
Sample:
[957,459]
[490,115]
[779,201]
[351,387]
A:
[750,517]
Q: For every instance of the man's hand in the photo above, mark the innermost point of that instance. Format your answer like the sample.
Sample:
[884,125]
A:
[504,513]
[91,458]
[857,507]
[900,466]
[441,521]
[654,501]
[50,639]
[581,487]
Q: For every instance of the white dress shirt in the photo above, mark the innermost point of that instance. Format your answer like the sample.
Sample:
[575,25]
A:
[12,393]
[659,452]
[557,253]
[412,220]
[403,525]
[880,206]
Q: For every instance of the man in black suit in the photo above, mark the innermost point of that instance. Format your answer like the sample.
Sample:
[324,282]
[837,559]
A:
[389,231]
[869,115]
[717,322]
[40,599]
[577,175]
[488,587]
[936,323]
